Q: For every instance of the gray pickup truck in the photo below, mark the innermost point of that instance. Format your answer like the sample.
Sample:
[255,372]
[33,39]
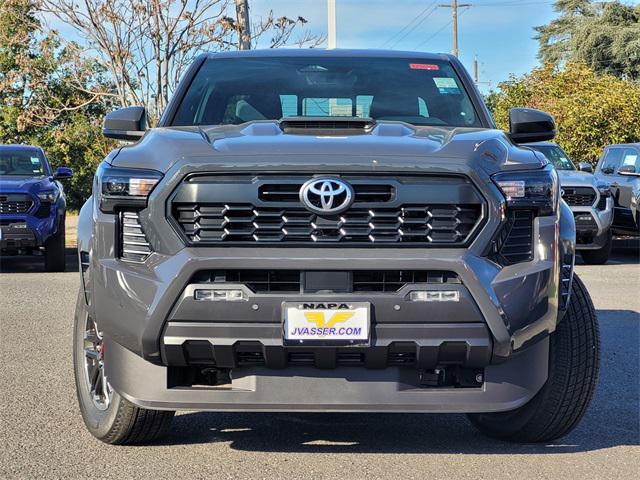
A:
[330,231]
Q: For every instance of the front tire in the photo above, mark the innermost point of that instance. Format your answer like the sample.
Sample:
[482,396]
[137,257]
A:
[599,256]
[109,417]
[54,250]
[574,355]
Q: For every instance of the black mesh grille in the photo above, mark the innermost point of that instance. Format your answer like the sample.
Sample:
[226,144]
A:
[15,203]
[514,242]
[290,281]
[244,223]
[579,196]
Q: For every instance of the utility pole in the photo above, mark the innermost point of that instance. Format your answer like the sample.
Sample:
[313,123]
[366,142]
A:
[475,69]
[454,12]
[332,41]
[243,25]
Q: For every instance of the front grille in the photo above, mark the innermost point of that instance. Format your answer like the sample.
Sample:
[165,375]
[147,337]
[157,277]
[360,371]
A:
[579,196]
[290,192]
[14,203]
[291,281]
[244,223]
[134,246]
[514,242]
[246,210]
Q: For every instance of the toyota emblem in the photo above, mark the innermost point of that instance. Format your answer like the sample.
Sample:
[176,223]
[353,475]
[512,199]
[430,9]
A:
[326,196]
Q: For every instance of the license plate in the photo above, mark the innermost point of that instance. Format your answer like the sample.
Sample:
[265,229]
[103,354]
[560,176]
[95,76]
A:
[326,322]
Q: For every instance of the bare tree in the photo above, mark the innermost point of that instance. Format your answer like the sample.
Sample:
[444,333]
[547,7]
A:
[146,45]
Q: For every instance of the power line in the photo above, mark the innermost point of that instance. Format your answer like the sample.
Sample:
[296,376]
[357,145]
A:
[408,25]
[414,27]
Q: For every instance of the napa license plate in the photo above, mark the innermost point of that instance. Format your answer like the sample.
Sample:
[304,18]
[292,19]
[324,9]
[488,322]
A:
[326,322]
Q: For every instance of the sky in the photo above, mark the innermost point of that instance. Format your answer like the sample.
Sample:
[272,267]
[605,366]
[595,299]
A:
[500,33]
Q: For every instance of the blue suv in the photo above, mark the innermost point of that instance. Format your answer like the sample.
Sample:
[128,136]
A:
[32,205]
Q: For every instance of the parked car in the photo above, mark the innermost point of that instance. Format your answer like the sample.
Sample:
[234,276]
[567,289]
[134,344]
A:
[589,199]
[330,231]
[620,166]
[32,205]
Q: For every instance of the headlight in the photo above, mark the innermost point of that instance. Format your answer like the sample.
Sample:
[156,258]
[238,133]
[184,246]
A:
[125,187]
[49,196]
[532,189]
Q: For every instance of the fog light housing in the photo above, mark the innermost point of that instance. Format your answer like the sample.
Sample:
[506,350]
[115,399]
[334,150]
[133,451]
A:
[220,295]
[434,296]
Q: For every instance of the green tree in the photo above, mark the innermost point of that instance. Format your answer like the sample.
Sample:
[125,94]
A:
[591,110]
[603,35]
[51,96]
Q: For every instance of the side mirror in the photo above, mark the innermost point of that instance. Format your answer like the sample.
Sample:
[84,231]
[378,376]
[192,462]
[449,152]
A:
[528,125]
[585,167]
[62,173]
[627,170]
[125,124]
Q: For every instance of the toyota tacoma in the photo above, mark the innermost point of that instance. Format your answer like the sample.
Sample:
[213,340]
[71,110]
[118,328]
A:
[330,231]
[32,205]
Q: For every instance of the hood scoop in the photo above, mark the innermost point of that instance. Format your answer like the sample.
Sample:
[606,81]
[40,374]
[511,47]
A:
[338,126]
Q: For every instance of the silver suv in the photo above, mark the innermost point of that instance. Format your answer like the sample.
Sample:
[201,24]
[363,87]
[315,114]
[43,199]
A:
[590,200]
[330,231]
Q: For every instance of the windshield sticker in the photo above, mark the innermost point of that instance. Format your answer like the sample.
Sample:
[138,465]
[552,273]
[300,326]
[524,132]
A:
[35,160]
[446,85]
[630,159]
[423,66]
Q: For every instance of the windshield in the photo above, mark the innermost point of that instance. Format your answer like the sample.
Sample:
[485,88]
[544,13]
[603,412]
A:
[556,156]
[238,90]
[22,162]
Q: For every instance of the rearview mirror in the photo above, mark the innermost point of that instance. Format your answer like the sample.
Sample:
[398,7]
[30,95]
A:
[125,124]
[585,167]
[529,125]
[63,173]
[627,170]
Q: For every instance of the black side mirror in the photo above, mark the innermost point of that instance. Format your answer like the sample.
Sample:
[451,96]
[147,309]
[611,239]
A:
[125,124]
[627,170]
[585,167]
[528,125]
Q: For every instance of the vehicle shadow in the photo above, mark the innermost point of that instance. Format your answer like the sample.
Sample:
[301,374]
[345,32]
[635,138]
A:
[613,418]
[35,263]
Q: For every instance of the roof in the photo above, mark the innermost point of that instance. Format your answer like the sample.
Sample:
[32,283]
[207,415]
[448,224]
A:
[321,52]
[20,147]
[541,144]
[637,145]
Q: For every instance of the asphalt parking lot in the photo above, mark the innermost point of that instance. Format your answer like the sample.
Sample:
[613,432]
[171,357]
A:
[42,435]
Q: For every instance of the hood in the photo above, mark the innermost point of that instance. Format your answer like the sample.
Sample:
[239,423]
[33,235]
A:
[264,145]
[25,184]
[576,178]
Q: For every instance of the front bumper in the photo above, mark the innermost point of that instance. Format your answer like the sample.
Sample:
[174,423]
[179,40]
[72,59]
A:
[16,236]
[348,389]
[592,226]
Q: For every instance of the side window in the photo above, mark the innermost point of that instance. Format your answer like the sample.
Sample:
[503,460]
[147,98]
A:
[630,158]
[611,161]
[422,107]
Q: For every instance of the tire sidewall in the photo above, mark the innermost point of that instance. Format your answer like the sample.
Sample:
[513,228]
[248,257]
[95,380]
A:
[99,422]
